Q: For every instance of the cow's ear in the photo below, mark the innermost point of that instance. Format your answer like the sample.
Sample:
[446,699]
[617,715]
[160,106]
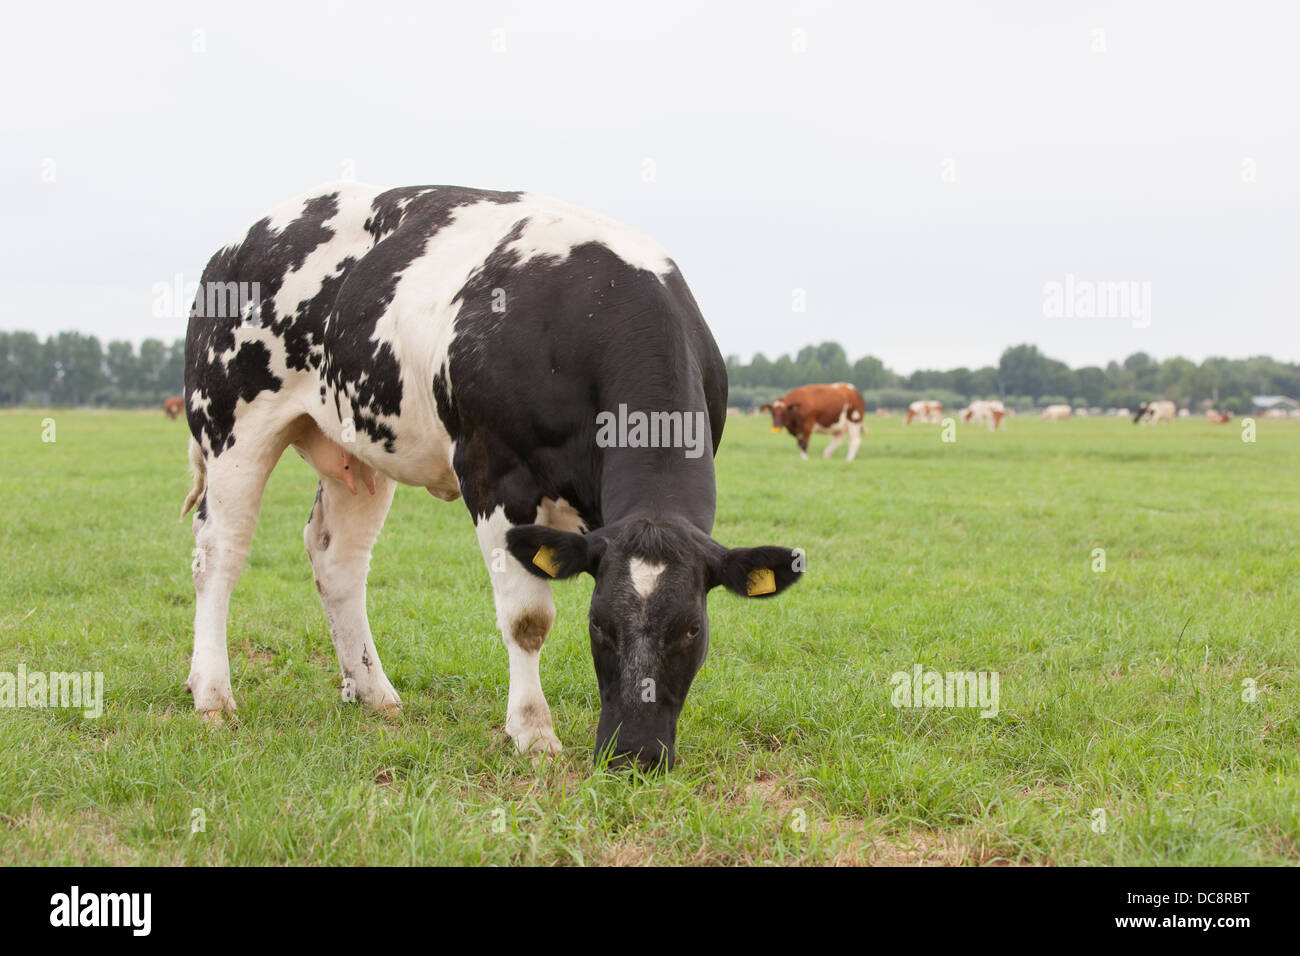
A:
[765,408]
[549,553]
[755,572]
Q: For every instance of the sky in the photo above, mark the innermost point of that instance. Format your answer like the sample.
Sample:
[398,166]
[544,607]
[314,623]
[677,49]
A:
[926,183]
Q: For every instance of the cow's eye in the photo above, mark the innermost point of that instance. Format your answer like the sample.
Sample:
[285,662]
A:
[598,633]
[692,632]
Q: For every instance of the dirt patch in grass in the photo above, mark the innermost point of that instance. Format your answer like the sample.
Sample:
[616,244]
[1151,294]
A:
[34,834]
[862,847]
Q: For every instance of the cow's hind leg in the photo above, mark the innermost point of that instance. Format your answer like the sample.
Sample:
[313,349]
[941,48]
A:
[223,531]
[837,436]
[855,439]
[525,612]
[339,537]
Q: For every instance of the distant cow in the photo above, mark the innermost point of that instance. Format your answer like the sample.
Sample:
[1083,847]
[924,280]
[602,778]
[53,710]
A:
[991,413]
[173,407]
[1218,418]
[1056,413]
[1152,413]
[825,409]
[926,411]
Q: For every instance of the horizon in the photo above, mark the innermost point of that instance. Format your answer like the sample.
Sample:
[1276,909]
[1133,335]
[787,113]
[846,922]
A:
[747,359]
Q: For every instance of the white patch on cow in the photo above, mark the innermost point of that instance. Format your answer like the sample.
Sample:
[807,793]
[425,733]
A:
[324,262]
[644,575]
[554,228]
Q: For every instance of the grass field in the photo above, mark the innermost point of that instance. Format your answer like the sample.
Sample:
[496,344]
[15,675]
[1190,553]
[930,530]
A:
[1120,691]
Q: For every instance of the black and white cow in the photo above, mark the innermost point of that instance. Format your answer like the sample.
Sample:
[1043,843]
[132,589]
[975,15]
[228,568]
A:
[467,342]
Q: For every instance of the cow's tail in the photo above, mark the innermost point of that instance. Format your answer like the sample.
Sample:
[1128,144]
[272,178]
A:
[200,472]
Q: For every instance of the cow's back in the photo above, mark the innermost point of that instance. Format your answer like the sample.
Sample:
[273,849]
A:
[434,318]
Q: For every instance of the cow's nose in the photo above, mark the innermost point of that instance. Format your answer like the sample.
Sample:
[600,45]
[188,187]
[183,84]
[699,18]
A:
[649,757]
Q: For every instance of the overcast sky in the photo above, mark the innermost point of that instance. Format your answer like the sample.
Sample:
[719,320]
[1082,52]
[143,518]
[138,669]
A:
[921,172]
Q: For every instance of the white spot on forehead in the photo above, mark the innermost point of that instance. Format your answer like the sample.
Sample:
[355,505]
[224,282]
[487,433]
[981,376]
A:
[645,576]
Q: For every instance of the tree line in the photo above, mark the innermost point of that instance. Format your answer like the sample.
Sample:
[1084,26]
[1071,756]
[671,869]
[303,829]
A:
[1023,378]
[71,368]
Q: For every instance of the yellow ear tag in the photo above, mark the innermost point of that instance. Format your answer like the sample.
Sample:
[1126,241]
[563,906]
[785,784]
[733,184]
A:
[760,581]
[546,560]
[775,430]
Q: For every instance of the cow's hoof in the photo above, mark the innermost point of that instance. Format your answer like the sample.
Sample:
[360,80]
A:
[385,703]
[390,711]
[211,698]
[539,742]
[214,718]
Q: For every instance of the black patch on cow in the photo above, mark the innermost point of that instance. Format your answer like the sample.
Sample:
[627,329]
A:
[579,335]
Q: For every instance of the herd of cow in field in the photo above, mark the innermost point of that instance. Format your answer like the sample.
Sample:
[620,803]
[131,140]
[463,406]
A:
[838,410]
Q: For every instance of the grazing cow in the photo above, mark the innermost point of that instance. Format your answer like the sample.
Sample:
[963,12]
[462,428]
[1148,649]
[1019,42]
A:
[1217,417]
[1056,413]
[825,409]
[173,407]
[926,412]
[476,344]
[1152,413]
[991,413]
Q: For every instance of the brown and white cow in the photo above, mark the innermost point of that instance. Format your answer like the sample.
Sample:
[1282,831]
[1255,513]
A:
[1056,413]
[173,407]
[825,409]
[925,411]
[991,413]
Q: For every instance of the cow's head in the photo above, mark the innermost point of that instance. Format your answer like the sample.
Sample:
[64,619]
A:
[1142,410]
[649,623]
[784,414]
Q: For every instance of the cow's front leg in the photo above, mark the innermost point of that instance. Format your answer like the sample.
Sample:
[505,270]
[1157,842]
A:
[525,612]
